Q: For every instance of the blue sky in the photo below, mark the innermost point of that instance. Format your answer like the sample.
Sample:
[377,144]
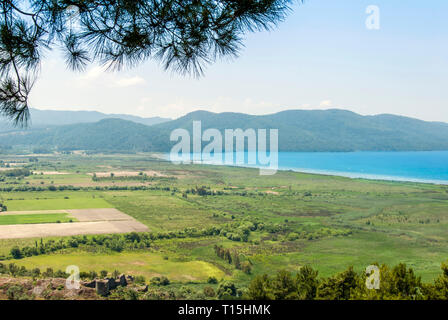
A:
[321,57]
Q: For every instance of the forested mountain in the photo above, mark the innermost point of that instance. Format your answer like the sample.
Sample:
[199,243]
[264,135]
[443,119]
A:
[299,130]
[44,118]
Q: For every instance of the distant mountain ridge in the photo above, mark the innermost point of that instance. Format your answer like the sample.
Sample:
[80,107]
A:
[299,130]
[42,118]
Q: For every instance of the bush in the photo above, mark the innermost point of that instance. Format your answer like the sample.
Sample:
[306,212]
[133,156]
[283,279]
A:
[140,280]
[93,275]
[212,280]
[160,281]
[209,292]
[123,293]
[227,290]
[292,236]
[16,292]
[16,253]
[246,267]
[49,273]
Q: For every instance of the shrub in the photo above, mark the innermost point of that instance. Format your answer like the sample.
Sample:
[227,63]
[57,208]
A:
[209,292]
[160,281]
[227,290]
[93,275]
[48,273]
[246,267]
[140,280]
[292,236]
[212,280]
[16,253]
[15,292]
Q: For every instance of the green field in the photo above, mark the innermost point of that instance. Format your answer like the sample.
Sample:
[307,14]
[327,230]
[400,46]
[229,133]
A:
[56,203]
[276,222]
[35,218]
[137,263]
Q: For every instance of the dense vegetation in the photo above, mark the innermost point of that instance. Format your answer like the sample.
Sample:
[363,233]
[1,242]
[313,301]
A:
[116,243]
[397,283]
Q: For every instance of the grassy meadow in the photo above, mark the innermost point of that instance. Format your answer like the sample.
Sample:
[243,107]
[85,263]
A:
[52,201]
[274,222]
[138,263]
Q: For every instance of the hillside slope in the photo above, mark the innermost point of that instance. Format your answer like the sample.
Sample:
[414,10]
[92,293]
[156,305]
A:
[45,118]
[299,130]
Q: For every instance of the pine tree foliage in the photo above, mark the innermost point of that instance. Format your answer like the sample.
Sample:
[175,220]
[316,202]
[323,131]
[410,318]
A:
[183,35]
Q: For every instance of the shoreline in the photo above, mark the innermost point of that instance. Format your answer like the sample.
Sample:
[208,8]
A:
[344,174]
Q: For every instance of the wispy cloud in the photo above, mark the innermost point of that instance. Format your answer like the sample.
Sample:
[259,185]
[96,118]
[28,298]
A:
[129,82]
[92,74]
[326,104]
[99,76]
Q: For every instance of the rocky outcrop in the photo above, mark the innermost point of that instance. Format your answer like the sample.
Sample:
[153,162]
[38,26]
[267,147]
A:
[123,281]
[143,288]
[112,283]
[46,289]
[89,284]
[55,288]
[102,287]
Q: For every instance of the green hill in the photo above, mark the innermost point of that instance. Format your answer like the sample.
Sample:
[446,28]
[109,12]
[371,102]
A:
[299,130]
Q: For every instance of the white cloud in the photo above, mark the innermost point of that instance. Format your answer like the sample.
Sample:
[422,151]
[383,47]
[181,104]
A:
[326,104]
[129,82]
[100,76]
[93,74]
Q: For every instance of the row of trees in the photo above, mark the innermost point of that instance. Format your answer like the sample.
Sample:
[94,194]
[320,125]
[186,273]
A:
[396,283]
[27,188]
[233,257]
[128,241]
[20,172]
[143,177]
[115,242]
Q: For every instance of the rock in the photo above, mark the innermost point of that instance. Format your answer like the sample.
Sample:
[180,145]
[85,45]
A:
[143,288]
[88,293]
[89,284]
[130,278]
[112,283]
[37,290]
[123,281]
[102,287]
[71,294]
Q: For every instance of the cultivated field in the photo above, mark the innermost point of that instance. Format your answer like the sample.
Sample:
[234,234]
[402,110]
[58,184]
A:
[271,223]
[34,218]
[17,225]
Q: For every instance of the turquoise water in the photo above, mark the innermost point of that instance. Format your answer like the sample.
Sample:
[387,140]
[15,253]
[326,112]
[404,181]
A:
[419,166]
[405,166]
